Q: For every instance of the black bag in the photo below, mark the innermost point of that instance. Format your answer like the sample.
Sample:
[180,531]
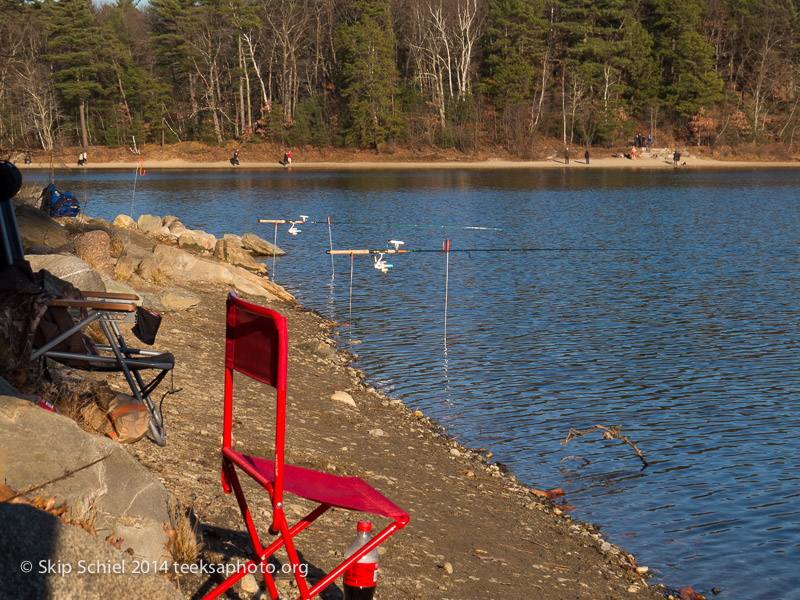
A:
[147,324]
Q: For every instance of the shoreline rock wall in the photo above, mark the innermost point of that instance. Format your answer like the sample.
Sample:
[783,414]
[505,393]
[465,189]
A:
[92,253]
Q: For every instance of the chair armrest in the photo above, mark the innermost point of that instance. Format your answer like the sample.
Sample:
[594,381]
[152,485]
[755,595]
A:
[109,295]
[95,304]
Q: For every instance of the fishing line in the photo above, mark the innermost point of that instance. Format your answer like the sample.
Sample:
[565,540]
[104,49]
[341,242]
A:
[139,171]
[418,225]
[421,250]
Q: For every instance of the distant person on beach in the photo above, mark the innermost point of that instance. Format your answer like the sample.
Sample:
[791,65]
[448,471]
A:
[235,158]
[586,156]
[81,159]
[566,156]
[27,158]
[676,158]
[287,159]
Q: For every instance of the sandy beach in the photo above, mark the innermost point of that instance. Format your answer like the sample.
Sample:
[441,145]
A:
[660,160]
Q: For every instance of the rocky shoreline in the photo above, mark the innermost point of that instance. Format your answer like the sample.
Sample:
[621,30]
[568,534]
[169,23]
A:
[475,532]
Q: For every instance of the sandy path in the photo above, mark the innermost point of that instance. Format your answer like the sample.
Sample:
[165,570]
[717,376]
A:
[664,161]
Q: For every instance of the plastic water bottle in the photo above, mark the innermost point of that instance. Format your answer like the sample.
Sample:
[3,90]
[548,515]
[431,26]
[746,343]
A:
[361,577]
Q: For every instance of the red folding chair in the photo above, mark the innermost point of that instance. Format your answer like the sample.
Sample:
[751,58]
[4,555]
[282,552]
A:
[256,345]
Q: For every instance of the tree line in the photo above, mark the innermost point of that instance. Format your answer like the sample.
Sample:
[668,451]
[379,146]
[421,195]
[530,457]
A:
[374,73]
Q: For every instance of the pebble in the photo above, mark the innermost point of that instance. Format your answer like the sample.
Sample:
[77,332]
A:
[642,569]
[633,589]
[376,432]
[448,568]
[249,584]
[418,414]
[343,397]
[455,452]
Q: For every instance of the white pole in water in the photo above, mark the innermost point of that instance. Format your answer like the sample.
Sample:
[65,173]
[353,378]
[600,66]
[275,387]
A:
[330,237]
[446,248]
[350,316]
[274,250]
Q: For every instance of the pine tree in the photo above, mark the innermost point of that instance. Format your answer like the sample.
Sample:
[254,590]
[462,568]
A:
[515,43]
[137,98]
[75,46]
[366,49]
[686,58]
[168,39]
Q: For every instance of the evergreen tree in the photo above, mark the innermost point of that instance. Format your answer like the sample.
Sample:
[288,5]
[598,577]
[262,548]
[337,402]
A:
[687,59]
[365,45]
[596,55]
[515,43]
[75,49]
[168,39]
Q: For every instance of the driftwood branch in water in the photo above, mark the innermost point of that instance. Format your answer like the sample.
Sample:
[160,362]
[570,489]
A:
[609,433]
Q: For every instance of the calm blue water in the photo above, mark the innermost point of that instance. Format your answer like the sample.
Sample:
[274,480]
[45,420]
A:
[664,302]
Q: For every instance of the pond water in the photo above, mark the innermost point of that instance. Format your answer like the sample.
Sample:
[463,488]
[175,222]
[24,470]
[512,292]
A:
[664,302]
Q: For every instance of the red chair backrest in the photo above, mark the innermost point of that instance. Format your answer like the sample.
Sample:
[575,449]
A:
[256,344]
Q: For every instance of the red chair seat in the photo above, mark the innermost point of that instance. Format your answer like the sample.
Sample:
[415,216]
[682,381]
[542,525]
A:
[351,493]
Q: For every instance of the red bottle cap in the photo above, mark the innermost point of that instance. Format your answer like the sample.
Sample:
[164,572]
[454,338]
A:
[364,526]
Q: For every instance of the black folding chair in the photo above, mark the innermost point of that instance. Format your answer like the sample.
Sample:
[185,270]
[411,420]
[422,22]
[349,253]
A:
[60,338]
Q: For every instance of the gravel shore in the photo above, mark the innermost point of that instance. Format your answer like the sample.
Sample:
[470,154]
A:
[474,531]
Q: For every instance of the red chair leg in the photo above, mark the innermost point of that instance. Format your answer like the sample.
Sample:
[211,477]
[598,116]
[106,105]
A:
[233,478]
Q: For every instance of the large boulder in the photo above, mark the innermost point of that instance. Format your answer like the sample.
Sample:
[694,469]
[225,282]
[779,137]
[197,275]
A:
[231,251]
[69,268]
[42,557]
[260,247]
[152,225]
[119,287]
[124,222]
[91,474]
[95,248]
[176,263]
[176,228]
[120,236]
[170,301]
[38,229]
[196,241]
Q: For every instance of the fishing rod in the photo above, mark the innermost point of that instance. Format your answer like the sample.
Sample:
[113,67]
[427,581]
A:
[397,250]
[293,229]
[418,225]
